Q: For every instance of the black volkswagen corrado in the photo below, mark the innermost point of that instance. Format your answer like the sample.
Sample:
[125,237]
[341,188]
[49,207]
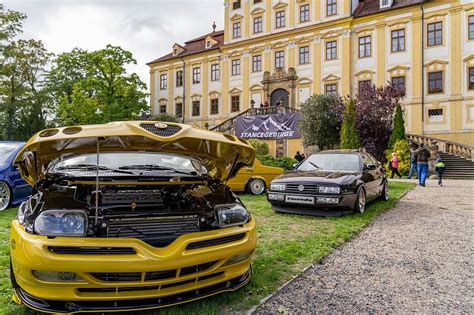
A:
[330,180]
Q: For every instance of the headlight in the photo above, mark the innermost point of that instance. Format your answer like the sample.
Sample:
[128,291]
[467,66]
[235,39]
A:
[231,215]
[61,223]
[20,216]
[329,190]
[276,186]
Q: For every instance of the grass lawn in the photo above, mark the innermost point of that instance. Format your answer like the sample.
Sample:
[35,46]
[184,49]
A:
[286,244]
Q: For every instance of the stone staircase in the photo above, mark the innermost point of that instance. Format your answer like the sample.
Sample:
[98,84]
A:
[459,158]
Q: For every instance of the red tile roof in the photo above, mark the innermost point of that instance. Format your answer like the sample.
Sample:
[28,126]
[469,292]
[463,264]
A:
[195,46]
[373,6]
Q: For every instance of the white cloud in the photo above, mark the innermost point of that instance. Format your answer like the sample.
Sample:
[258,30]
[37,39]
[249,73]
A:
[147,28]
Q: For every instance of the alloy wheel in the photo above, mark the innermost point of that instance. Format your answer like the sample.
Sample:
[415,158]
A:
[361,201]
[256,186]
[5,196]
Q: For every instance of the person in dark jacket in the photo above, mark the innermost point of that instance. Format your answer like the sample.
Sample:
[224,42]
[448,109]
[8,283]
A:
[298,156]
[422,157]
[413,164]
[440,166]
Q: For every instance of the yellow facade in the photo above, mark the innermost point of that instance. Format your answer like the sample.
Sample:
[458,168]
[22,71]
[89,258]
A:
[446,113]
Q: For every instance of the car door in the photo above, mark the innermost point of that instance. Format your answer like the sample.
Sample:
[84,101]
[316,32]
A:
[379,174]
[369,176]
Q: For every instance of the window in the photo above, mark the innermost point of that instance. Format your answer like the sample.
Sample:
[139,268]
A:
[398,40]
[178,110]
[435,82]
[196,75]
[365,46]
[196,108]
[364,84]
[471,27]
[214,106]
[257,63]
[280,19]
[279,59]
[304,55]
[235,103]
[398,84]
[236,5]
[435,34]
[331,7]
[236,67]
[163,82]
[162,109]
[435,114]
[304,13]
[331,89]
[179,78]
[236,30]
[215,72]
[471,78]
[256,1]
[258,24]
[331,50]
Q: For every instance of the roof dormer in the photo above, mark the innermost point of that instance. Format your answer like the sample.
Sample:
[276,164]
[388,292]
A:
[210,42]
[385,4]
[177,49]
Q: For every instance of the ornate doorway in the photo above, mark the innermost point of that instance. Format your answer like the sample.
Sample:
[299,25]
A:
[279,97]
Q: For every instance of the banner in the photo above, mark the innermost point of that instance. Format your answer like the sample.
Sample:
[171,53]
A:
[275,126]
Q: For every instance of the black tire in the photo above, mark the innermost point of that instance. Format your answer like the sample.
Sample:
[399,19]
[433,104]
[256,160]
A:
[384,196]
[359,206]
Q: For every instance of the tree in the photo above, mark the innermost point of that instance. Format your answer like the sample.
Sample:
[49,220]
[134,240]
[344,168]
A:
[349,133]
[375,107]
[261,147]
[398,132]
[11,23]
[96,79]
[402,148]
[320,122]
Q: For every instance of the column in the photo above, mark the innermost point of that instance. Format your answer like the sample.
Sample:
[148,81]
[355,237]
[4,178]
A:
[380,54]
[317,62]
[345,53]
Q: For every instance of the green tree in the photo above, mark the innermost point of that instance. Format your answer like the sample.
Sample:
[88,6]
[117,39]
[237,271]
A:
[320,122]
[11,23]
[402,148]
[398,132]
[98,78]
[349,133]
[261,147]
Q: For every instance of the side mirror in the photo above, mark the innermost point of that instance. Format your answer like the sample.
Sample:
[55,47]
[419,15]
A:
[370,167]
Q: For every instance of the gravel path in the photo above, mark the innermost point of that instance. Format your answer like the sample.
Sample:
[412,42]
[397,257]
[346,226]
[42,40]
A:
[416,258]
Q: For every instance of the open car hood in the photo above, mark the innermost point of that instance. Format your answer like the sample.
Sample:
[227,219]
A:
[219,152]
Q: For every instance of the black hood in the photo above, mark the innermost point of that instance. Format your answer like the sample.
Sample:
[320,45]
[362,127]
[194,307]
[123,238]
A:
[317,176]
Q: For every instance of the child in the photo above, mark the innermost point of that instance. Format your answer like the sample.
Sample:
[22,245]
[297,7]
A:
[394,163]
[439,170]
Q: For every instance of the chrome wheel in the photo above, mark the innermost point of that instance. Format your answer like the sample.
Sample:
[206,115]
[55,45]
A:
[5,196]
[256,186]
[361,201]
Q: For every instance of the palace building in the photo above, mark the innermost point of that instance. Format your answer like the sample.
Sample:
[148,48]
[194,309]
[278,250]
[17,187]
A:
[286,50]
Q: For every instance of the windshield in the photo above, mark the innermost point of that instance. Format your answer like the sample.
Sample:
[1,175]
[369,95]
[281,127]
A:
[6,150]
[133,160]
[331,162]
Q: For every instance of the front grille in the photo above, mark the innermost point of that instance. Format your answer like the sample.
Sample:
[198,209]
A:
[151,275]
[92,250]
[156,231]
[162,132]
[127,197]
[216,241]
[145,288]
[307,188]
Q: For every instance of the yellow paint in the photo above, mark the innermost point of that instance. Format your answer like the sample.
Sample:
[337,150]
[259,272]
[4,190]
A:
[257,171]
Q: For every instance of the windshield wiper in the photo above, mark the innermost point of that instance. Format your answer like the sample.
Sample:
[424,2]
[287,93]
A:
[92,167]
[153,167]
[317,167]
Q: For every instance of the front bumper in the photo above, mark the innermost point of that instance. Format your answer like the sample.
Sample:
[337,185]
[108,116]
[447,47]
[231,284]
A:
[142,278]
[345,203]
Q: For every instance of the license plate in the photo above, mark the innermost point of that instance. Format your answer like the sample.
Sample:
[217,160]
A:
[300,200]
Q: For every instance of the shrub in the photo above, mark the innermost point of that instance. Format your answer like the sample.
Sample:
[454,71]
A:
[402,148]
[349,132]
[261,147]
[284,162]
[398,132]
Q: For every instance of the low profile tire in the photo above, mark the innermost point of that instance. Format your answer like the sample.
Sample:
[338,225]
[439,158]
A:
[256,186]
[5,196]
[359,206]
[384,195]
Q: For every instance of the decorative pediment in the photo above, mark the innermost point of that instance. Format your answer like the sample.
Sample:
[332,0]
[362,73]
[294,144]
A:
[304,40]
[178,99]
[331,77]
[279,45]
[162,101]
[301,1]
[280,75]
[214,94]
[256,87]
[196,97]
[398,68]
[331,34]
[235,91]
[257,11]
[280,5]
[398,23]
[304,80]
[235,53]
[363,30]
[177,49]
[236,17]
[469,59]
[255,50]
[365,73]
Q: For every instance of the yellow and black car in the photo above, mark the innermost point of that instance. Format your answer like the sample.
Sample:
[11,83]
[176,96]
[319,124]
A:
[129,216]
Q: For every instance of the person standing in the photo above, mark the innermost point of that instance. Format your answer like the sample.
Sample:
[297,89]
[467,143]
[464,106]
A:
[298,156]
[422,156]
[394,163]
[303,156]
[413,148]
[440,166]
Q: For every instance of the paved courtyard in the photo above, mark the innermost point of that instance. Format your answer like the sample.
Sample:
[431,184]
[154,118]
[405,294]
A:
[418,257]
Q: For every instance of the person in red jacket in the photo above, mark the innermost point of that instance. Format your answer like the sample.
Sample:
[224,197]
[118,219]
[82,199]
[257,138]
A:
[394,163]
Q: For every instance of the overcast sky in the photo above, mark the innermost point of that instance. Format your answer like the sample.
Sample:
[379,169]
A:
[147,28]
